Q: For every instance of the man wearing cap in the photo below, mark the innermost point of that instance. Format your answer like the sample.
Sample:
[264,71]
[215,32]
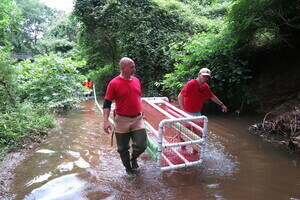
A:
[191,98]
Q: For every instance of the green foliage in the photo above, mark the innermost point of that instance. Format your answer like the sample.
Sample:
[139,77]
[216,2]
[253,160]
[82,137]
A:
[9,17]
[207,17]
[229,72]
[59,37]
[141,30]
[52,81]
[29,90]
[256,24]
[252,25]
[35,16]
[23,123]
[19,122]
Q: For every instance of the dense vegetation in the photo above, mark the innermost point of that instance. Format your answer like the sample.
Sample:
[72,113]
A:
[30,90]
[144,31]
[42,30]
[170,40]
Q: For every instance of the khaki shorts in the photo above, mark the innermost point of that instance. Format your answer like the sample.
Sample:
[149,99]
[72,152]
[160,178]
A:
[126,124]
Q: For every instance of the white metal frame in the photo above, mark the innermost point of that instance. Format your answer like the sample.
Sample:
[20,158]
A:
[174,117]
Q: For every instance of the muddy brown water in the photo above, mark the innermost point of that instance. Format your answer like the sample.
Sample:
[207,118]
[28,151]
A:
[77,162]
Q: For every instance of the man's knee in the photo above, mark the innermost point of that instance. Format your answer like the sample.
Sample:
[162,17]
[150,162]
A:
[139,138]
[123,150]
[122,142]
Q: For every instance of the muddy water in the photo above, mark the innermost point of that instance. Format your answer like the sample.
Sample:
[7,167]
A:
[77,162]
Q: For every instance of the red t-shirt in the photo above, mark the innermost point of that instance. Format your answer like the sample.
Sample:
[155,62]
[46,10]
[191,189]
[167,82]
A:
[126,94]
[194,95]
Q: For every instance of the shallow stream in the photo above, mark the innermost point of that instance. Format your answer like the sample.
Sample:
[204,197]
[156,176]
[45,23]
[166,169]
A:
[77,162]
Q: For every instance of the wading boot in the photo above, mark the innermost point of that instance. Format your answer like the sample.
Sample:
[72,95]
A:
[123,150]
[126,162]
[139,145]
[135,166]
[129,171]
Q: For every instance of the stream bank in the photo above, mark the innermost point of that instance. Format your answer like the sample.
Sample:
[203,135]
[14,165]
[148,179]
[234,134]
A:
[282,129]
[9,163]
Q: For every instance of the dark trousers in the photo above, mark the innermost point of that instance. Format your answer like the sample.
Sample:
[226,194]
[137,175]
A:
[139,145]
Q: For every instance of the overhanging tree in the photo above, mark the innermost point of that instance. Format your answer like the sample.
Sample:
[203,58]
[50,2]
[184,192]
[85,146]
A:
[142,30]
[9,17]
[35,15]
[263,24]
[60,36]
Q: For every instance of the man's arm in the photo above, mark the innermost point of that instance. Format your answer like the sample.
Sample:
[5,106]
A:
[180,101]
[217,101]
[106,111]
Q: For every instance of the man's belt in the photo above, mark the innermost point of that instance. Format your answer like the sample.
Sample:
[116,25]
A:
[131,116]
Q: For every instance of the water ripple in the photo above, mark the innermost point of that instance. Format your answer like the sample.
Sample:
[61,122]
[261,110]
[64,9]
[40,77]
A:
[62,188]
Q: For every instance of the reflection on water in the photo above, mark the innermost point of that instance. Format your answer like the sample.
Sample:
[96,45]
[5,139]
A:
[46,151]
[77,162]
[62,188]
[38,179]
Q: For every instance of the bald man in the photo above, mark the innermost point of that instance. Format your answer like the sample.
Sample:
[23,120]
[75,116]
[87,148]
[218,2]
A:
[125,90]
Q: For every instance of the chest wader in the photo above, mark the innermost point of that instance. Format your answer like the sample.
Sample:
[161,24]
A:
[139,145]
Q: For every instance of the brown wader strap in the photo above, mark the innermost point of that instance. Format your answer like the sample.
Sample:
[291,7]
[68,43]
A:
[112,138]
[112,135]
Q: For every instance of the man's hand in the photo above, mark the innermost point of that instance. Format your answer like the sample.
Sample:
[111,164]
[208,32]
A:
[144,118]
[107,127]
[224,108]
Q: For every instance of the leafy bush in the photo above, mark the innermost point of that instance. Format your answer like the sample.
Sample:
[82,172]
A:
[7,76]
[52,81]
[24,123]
[264,24]
[18,121]
[27,93]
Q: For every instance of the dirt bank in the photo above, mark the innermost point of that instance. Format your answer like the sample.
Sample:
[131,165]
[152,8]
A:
[280,128]
[13,159]
[276,79]
[10,162]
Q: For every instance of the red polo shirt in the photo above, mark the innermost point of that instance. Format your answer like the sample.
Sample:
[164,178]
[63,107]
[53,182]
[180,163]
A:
[194,95]
[126,94]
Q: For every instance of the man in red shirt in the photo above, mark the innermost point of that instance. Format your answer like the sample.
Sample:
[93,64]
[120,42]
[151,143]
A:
[89,84]
[191,98]
[125,90]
